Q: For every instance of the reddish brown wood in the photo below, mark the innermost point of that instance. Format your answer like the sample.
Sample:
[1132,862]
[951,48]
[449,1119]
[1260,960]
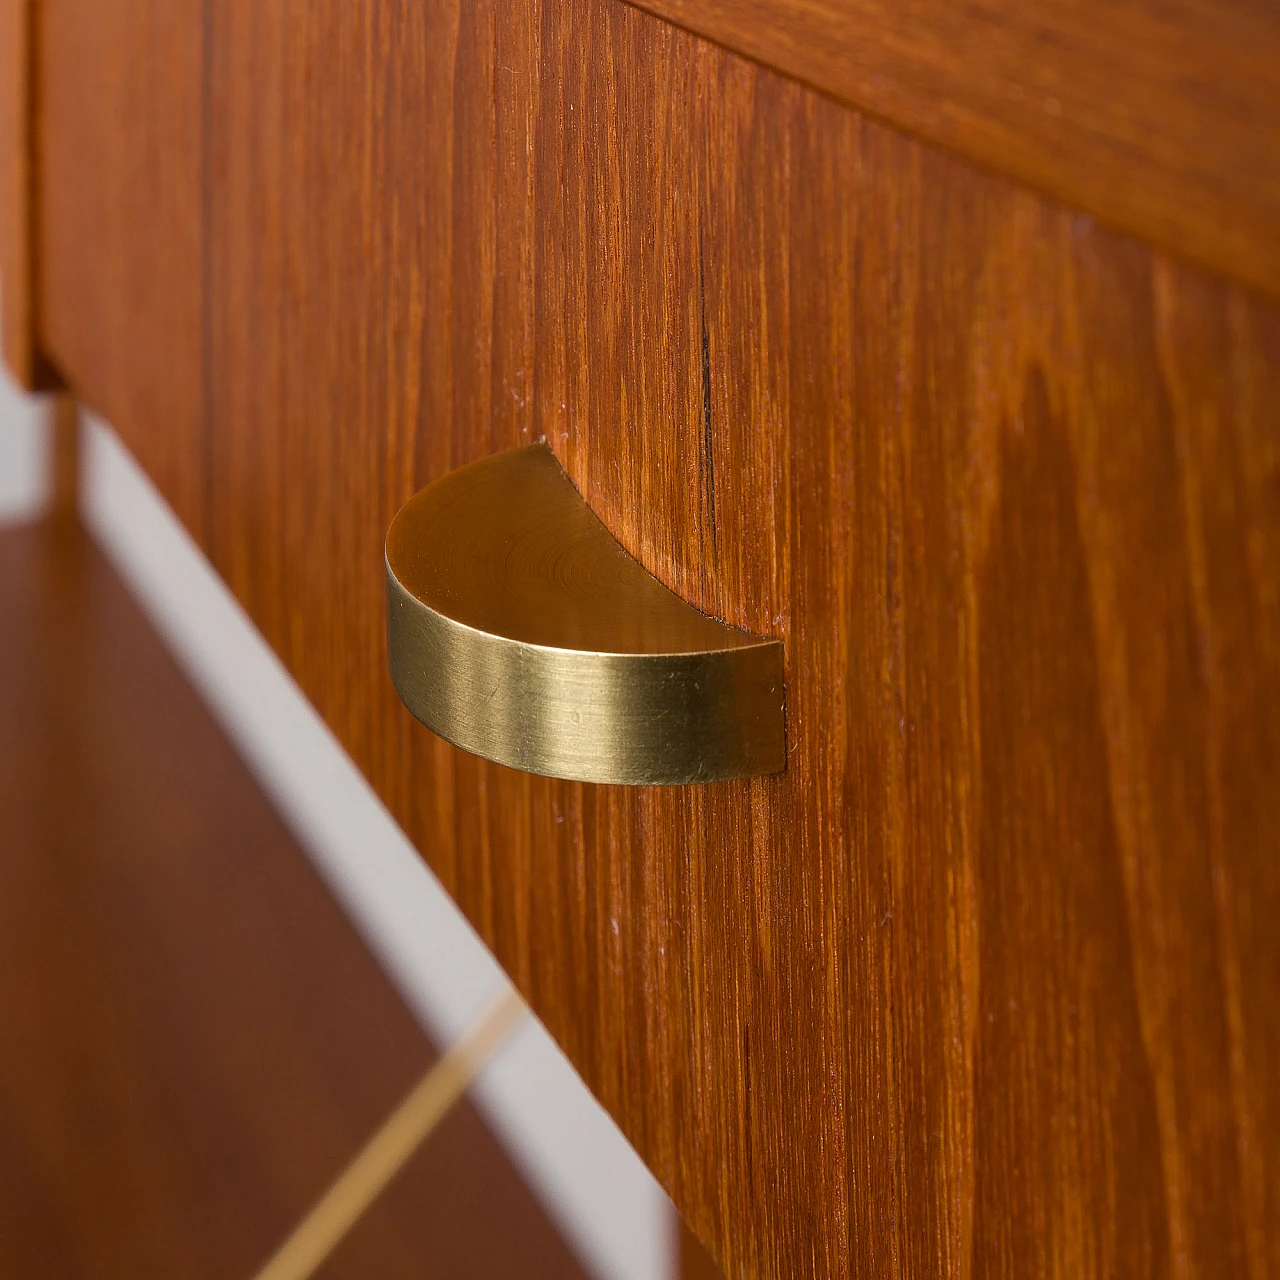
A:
[20,348]
[194,1039]
[16,324]
[984,984]
[1158,116]
[695,1261]
[123,98]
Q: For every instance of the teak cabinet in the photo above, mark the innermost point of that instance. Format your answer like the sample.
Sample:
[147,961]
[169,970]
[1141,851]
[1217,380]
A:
[944,348]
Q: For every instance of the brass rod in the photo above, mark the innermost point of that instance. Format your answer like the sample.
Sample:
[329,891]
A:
[390,1148]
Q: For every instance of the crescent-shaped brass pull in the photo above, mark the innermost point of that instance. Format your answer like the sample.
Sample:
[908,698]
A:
[520,630]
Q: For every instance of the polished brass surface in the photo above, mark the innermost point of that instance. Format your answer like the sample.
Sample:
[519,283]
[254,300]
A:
[519,629]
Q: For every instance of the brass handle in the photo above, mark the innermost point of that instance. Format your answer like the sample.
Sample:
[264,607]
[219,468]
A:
[520,630]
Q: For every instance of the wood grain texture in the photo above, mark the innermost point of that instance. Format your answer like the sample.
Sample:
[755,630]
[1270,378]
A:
[695,1262]
[986,983]
[1159,116]
[16,323]
[23,354]
[195,1039]
[123,97]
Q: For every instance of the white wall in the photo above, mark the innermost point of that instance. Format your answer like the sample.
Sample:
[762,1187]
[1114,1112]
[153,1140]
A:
[24,452]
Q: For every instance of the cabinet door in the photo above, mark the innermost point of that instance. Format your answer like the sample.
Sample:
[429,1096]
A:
[985,982]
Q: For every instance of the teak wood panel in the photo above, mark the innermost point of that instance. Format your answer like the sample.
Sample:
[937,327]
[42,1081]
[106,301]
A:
[986,982]
[1160,116]
[195,1040]
[19,177]
[17,327]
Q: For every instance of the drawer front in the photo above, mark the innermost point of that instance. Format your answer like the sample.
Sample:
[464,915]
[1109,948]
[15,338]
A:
[984,981]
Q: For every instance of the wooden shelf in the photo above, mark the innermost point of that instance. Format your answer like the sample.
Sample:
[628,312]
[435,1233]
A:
[195,1039]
